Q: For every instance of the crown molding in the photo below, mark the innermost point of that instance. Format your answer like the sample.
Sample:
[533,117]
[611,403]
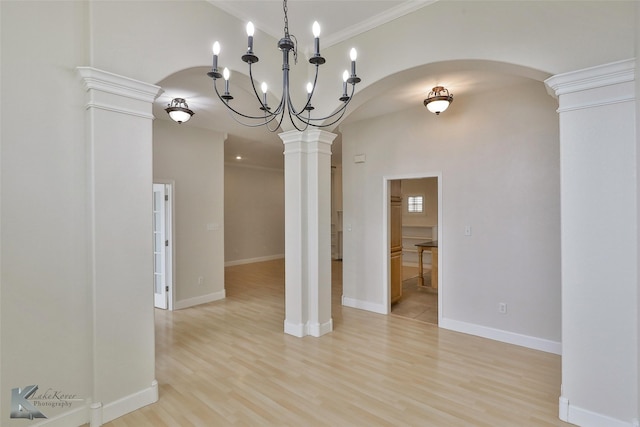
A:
[591,78]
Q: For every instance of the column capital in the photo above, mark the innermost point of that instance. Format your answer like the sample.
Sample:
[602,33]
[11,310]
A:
[309,135]
[112,92]
[595,86]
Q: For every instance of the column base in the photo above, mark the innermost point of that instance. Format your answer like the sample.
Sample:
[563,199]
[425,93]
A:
[301,330]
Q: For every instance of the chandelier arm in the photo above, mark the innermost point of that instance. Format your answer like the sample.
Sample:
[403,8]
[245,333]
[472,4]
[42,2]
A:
[263,106]
[293,122]
[309,98]
[226,103]
[251,125]
[341,111]
[279,123]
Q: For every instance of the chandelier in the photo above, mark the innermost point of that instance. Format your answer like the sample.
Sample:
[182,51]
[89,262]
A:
[270,117]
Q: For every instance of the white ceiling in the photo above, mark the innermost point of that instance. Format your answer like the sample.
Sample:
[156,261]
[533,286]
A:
[259,147]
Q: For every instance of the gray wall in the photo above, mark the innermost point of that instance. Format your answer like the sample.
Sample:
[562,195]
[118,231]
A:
[499,168]
[254,214]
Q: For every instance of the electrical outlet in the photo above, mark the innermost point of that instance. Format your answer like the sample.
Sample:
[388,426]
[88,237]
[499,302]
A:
[467,230]
[200,280]
[502,307]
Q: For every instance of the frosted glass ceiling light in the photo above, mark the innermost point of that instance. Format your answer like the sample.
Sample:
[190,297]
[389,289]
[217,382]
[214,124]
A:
[438,100]
[179,110]
[300,118]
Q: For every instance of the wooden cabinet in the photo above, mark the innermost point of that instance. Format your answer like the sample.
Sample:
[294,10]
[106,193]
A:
[395,223]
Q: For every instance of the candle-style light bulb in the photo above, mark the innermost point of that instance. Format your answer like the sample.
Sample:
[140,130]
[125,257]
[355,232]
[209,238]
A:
[226,74]
[216,51]
[316,33]
[354,55]
[264,88]
[345,77]
[250,30]
[309,107]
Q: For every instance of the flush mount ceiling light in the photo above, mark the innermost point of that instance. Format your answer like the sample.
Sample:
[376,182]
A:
[272,118]
[179,110]
[438,100]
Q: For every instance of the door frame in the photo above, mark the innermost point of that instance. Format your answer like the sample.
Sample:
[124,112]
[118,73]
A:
[386,238]
[170,235]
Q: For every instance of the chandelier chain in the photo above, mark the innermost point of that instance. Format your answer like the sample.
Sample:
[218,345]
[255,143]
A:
[286,18]
[285,8]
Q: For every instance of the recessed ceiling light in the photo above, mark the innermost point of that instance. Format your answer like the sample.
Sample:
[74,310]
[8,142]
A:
[238,157]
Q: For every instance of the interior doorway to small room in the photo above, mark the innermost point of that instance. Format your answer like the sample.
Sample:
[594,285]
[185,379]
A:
[414,207]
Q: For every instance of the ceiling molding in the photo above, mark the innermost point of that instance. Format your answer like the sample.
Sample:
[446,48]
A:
[375,21]
[357,28]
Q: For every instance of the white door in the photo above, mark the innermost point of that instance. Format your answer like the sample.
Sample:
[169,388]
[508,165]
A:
[160,246]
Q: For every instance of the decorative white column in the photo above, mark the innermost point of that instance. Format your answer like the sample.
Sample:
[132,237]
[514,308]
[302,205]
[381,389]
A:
[599,223]
[119,180]
[307,175]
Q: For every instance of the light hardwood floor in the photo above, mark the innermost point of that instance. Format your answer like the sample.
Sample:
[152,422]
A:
[228,363]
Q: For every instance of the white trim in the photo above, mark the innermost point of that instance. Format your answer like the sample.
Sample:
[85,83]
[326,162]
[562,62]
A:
[364,305]
[130,403]
[588,105]
[385,238]
[115,109]
[501,335]
[563,408]
[172,224]
[295,329]
[300,330]
[585,418]
[591,78]
[388,15]
[319,329]
[95,414]
[107,82]
[252,260]
[74,417]
[202,299]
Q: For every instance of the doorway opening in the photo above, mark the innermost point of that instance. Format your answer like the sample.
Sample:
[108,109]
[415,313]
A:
[414,233]
[163,245]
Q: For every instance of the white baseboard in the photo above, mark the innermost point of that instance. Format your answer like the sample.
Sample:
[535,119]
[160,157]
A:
[75,417]
[319,329]
[585,418]
[295,329]
[502,336]
[252,260]
[302,330]
[202,299]
[364,305]
[128,404]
